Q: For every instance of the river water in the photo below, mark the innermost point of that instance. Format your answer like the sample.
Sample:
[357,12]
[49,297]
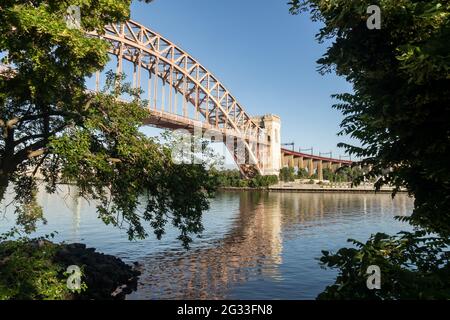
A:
[256,245]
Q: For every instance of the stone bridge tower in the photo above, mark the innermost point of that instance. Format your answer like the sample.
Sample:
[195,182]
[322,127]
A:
[272,157]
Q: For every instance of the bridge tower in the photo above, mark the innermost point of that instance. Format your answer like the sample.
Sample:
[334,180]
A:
[272,153]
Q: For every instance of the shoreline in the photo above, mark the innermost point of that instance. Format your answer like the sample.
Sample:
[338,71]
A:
[302,189]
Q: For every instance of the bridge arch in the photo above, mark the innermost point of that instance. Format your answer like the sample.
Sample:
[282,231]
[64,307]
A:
[214,106]
[210,99]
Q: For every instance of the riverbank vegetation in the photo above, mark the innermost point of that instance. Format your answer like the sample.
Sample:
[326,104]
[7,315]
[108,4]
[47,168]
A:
[399,111]
[233,179]
[344,174]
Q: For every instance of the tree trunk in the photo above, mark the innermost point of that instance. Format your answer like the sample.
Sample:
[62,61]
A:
[4,182]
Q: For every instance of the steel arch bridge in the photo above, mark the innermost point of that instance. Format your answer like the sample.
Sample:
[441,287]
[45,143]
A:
[183,94]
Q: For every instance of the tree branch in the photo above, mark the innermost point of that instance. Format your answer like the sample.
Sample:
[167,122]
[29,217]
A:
[42,135]
[48,114]
[25,153]
[37,153]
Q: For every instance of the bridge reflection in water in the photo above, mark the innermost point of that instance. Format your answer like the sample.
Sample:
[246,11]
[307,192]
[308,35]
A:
[252,250]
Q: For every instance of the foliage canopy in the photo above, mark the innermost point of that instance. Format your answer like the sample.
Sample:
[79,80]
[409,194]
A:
[399,111]
[53,127]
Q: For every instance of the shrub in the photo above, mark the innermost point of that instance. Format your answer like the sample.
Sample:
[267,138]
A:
[393,254]
[232,178]
[302,174]
[263,181]
[27,271]
[35,269]
[287,174]
[328,174]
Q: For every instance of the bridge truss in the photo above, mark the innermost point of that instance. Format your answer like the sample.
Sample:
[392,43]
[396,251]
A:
[169,75]
[183,94]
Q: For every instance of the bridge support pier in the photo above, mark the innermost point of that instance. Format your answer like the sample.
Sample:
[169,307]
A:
[310,167]
[289,161]
[314,165]
[318,165]
[320,170]
[298,162]
[272,158]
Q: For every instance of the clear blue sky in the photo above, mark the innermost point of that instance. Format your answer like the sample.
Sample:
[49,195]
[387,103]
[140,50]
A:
[265,57]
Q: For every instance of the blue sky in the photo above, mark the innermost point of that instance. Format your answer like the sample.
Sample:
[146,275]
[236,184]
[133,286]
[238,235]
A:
[265,57]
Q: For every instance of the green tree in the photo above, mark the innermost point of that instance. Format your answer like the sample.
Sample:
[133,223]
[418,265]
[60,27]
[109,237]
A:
[302,173]
[52,125]
[263,181]
[399,110]
[328,174]
[233,178]
[228,178]
[287,174]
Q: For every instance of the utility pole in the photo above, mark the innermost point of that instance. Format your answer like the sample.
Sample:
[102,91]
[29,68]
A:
[326,153]
[292,144]
[305,150]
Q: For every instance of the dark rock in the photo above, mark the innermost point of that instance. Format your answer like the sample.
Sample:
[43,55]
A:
[103,274]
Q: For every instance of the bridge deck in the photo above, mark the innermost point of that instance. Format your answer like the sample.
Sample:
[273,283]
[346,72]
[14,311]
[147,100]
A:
[313,157]
[167,120]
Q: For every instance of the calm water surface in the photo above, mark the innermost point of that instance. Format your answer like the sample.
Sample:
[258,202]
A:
[255,245]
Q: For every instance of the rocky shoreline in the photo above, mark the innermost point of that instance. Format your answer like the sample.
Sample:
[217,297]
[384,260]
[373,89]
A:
[37,269]
[107,277]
